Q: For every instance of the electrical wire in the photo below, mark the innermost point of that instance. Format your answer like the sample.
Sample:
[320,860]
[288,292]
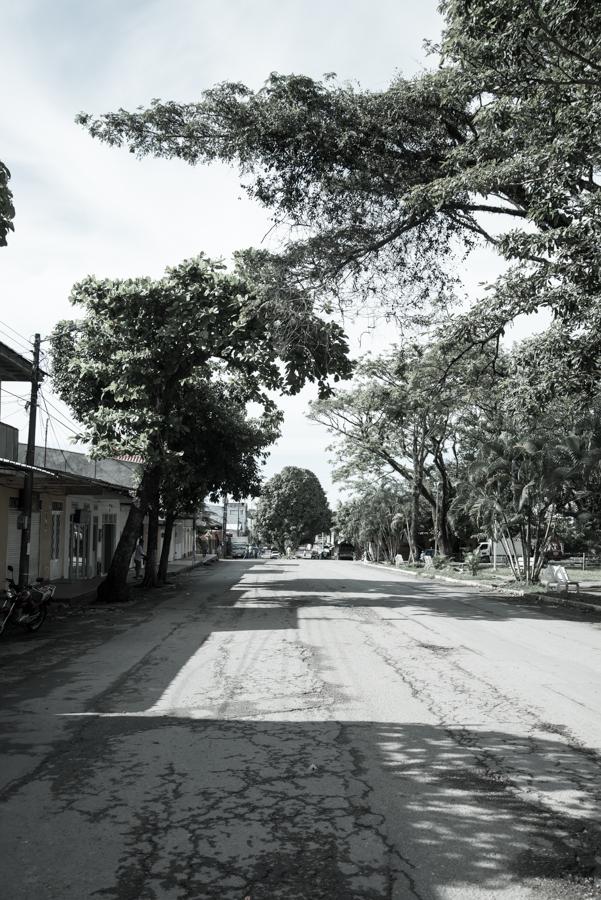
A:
[51,423]
[19,348]
[77,434]
[9,414]
[18,333]
[62,420]
[10,393]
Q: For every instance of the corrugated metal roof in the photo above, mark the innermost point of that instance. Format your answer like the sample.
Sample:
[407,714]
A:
[72,478]
[13,366]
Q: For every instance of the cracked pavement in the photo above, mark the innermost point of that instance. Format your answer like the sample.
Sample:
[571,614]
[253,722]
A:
[301,730]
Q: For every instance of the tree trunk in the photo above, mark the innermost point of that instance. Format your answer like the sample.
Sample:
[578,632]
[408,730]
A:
[528,553]
[416,488]
[114,588]
[150,567]
[444,538]
[412,547]
[164,561]
[442,528]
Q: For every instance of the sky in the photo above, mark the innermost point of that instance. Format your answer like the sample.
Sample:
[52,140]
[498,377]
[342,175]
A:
[84,208]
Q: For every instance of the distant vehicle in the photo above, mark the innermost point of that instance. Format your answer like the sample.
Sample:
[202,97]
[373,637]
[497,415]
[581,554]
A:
[488,551]
[491,550]
[344,550]
[274,554]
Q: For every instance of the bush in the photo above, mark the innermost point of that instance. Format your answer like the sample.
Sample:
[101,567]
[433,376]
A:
[440,562]
[472,562]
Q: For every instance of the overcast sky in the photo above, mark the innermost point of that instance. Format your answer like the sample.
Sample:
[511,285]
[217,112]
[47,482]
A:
[84,208]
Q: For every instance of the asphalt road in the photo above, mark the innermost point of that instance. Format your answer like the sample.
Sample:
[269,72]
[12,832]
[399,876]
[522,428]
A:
[303,730]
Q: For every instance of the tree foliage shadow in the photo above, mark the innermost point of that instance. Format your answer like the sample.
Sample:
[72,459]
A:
[447,601]
[292,809]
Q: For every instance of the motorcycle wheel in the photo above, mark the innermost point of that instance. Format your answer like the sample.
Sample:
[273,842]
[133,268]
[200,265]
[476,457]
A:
[37,621]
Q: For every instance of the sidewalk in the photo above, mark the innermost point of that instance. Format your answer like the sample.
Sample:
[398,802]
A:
[584,600]
[84,589]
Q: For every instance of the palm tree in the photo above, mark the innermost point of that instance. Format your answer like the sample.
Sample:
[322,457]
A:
[514,488]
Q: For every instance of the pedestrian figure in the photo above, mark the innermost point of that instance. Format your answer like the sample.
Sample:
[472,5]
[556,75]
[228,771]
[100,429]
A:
[139,556]
[288,552]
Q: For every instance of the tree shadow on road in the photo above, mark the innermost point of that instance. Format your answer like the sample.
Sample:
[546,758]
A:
[215,808]
[437,599]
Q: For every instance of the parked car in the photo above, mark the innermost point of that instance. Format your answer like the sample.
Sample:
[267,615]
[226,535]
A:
[274,554]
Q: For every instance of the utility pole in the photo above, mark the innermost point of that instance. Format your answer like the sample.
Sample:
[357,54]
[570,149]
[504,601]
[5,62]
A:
[224,526]
[30,461]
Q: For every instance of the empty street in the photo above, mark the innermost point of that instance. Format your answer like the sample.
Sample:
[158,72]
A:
[303,729]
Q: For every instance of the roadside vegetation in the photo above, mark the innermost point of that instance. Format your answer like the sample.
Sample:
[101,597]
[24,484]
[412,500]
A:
[498,448]
[378,199]
[165,369]
[378,196]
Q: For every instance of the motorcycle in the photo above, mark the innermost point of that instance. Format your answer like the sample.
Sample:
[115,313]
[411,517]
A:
[27,607]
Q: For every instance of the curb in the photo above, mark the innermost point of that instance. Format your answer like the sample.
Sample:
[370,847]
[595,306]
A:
[542,598]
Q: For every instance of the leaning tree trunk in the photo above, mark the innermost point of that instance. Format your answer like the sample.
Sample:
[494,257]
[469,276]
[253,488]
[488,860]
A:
[444,537]
[167,534]
[412,547]
[440,511]
[416,488]
[114,588]
[150,566]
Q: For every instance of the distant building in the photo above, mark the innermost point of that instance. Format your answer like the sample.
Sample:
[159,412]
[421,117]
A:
[238,518]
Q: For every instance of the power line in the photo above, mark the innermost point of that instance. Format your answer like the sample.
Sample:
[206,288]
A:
[62,420]
[50,419]
[6,391]
[69,427]
[22,348]
[9,414]
[18,333]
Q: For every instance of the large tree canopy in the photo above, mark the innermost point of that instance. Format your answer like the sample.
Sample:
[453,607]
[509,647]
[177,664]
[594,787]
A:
[405,415]
[121,367]
[146,352]
[293,508]
[499,144]
[220,449]
[7,210]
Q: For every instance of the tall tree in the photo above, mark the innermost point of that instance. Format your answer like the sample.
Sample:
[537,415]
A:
[517,487]
[375,519]
[121,366]
[405,415]
[219,450]
[7,210]
[499,144]
[293,508]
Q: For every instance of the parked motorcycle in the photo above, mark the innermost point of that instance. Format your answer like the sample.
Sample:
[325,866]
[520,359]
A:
[27,607]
